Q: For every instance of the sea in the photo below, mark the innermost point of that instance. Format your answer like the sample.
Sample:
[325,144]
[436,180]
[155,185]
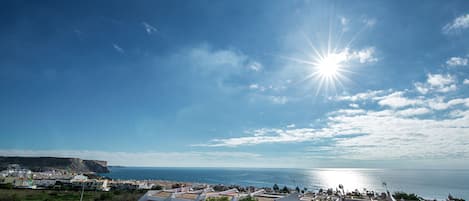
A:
[428,183]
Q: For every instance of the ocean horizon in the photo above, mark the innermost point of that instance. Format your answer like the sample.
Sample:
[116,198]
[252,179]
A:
[428,183]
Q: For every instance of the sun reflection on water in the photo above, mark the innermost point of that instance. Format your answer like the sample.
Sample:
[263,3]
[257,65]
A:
[351,179]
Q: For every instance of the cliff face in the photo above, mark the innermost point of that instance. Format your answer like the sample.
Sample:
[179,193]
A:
[53,163]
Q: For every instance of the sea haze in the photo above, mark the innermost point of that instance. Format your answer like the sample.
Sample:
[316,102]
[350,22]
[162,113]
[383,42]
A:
[426,183]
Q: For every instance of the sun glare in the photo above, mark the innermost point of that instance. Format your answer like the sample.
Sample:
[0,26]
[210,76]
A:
[329,66]
[329,61]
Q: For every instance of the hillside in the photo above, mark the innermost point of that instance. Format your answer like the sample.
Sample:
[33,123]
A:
[52,163]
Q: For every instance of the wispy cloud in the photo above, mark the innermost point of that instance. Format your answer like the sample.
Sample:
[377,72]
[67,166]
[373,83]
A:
[457,61]
[255,66]
[220,61]
[118,48]
[369,22]
[345,23]
[218,66]
[362,96]
[466,81]
[149,28]
[278,99]
[457,25]
[269,135]
[395,125]
[397,100]
[396,133]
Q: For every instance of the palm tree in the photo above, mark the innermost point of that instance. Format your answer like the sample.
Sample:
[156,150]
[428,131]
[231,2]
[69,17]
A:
[275,188]
[385,185]
[341,187]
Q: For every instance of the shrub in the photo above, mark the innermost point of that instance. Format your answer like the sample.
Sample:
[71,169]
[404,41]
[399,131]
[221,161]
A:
[248,198]
[405,196]
[217,199]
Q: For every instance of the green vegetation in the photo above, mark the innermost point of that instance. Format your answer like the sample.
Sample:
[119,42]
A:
[248,198]
[275,188]
[285,190]
[405,196]
[52,195]
[217,199]
[157,187]
[450,197]
[6,186]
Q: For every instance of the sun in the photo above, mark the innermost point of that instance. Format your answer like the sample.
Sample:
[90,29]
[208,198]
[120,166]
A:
[329,69]
[329,66]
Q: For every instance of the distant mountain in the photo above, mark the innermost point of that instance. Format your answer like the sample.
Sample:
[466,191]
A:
[38,164]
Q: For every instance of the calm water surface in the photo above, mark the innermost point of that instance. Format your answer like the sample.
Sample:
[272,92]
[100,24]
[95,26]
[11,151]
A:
[427,183]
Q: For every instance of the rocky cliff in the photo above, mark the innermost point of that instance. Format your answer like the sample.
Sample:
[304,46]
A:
[52,163]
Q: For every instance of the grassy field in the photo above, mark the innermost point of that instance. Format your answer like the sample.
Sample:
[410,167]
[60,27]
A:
[57,195]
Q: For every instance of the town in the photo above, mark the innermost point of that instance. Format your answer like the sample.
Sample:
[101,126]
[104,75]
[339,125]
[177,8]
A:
[18,177]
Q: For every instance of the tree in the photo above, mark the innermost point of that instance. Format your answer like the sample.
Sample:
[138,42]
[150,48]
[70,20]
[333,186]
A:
[297,189]
[285,190]
[385,186]
[157,187]
[405,196]
[276,188]
[341,187]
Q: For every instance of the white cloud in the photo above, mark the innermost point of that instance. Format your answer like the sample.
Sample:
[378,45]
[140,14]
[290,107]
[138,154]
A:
[344,22]
[439,80]
[278,99]
[422,88]
[402,129]
[466,81]
[266,135]
[118,48]
[354,105]
[414,112]
[369,22]
[457,61]
[397,100]
[219,62]
[361,96]
[254,86]
[291,126]
[458,24]
[255,66]
[149,28]
[207,59]
[365,55]
[438,83]
[257,87]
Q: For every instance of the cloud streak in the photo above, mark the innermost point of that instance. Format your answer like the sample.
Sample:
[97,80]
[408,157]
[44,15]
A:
[149,28]
[457,25]
[118,48]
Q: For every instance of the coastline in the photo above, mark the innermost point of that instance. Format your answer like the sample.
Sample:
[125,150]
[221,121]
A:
[444,182]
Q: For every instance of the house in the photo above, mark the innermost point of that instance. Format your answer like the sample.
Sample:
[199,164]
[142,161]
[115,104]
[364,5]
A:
[171,195]
[44,182]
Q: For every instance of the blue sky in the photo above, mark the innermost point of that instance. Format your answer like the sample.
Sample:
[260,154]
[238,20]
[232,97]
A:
[245,83]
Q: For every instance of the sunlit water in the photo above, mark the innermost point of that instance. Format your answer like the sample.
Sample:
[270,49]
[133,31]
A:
[427,183]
